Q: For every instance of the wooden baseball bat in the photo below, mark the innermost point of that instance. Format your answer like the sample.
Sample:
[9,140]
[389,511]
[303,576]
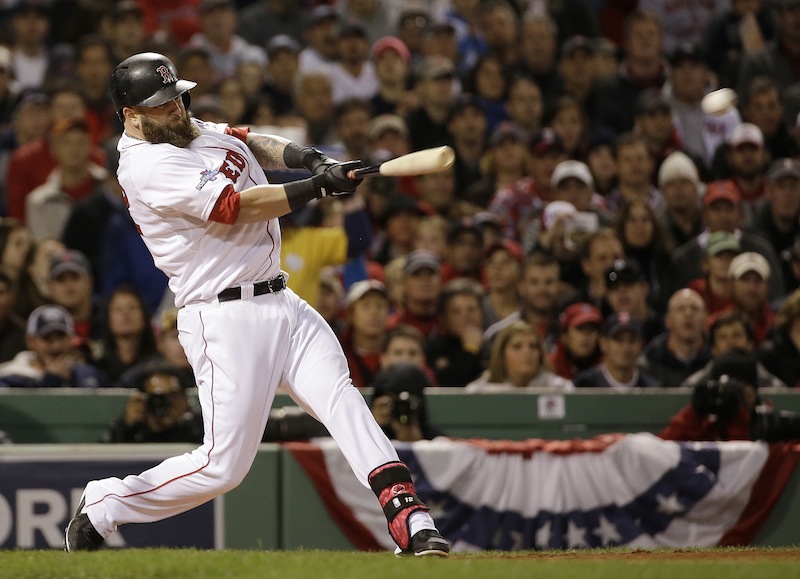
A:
[417,163]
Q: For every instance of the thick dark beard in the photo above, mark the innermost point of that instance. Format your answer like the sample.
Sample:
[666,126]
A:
[179,134]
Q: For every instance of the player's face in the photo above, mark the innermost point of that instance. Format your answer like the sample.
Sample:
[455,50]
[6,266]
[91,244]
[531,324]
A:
[168,123]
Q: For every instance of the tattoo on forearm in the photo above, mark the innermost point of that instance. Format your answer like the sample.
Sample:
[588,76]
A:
[268,150]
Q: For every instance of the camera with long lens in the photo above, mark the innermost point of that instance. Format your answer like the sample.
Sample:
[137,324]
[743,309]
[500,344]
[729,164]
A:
[721,398]
[772,425]
[405,408]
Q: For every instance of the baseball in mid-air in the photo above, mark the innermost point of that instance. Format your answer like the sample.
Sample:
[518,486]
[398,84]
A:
[719,101]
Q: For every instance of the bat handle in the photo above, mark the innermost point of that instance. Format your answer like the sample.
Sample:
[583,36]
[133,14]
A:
[364,171]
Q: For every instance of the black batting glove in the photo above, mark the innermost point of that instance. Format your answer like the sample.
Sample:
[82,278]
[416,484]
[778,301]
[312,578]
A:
[334,180]
[296,156]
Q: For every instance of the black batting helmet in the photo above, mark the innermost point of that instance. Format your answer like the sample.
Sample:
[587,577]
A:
[148,79]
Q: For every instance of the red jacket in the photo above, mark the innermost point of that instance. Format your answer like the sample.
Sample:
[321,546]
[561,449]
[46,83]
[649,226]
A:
[689,425]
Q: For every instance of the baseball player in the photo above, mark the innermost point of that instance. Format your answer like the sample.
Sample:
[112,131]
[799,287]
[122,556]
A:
[199,196]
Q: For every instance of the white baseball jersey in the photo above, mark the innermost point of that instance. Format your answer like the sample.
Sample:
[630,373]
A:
[171,193]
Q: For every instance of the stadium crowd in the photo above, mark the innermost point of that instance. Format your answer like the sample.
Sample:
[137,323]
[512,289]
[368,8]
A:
[602,226]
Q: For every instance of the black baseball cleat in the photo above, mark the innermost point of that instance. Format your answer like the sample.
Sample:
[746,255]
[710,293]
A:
[80,534]
[427,542]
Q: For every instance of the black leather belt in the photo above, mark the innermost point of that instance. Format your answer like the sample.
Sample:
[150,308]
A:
[273,285]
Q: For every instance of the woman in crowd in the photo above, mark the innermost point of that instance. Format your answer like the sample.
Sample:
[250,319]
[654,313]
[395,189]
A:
[518,360]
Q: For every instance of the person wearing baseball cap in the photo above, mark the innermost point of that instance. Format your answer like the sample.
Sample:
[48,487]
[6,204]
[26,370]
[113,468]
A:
[392,61]
[577,348]
[547,151]
[421,287]
[50,360]
[749,273]
[748,157]
[628,290]
[503,266]
[679,182]
[777,220]
[714,286]
[621,343]
[367,305]
[71,286]
[465,251]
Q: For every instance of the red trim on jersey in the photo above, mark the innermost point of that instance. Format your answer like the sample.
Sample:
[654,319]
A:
[238,132]
[226,210]
[208,454]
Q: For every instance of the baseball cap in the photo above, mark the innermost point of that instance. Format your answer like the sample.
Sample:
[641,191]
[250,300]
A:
[620,322]
[510,246]
[545,141]
[436,67]
[720,241]
[685,52]
[464,225]
[623,271]
[746,133]
[387,122]
[650,101]
[738,364]
[505,131]
[391,43]
[579,314]
[783,168]
[574,169]
[721,190]
[282,42]
[677,165]
[361,288]
[70,260]
[576,43]
[749,261]
[421,259]
[47,319]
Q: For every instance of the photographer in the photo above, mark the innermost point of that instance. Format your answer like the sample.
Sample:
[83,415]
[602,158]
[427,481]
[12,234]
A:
[398,403]
[728,406]
[158,411]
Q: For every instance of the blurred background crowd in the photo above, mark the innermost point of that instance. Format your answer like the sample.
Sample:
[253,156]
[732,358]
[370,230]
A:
[603,225]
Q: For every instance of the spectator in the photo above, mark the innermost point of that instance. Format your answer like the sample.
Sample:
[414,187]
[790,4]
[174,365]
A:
[320,34]
[503,272]
[12,327]
[352,73]
[518,360]
[673,356]
[125,31]
[578,346]
[680,186]
[778,216]
[634,173]
[314,101]
[576,68]
[538,49]
[261,20]
[404,344]
[414,18]
[747,158]
[627,290]
[464,255]
[503,166]
[376,17]
[330,299]
[392,61]
[599,156]
[646,241]
[195,63]
[15,247]
[597,254]
[539,294]
[127,338]
[749,273]
[715,286]
[741,30]
[9,93]
[684,23]
[780,354]
[790,260]
[158,411]
[438,190]
[440,39]
[427,124]
[432,235]
[488,81]
[32,61]
[70,287]
[567,118]
[731,332]
[33,287]
[421,288]
[467,132]
[368,313]
[352,119]
[283,54]
[400,221]
[398,403]
[524,104]
[762,106]
[547,151]
[653,121]
[93,67]
[453,348]
[30,121]
[722,211]
[50,360]
[642,67]
[218,23]
[75,177]
[173,21]
[621,343]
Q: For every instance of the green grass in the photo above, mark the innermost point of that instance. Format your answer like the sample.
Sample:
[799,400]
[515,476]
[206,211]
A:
[611,564]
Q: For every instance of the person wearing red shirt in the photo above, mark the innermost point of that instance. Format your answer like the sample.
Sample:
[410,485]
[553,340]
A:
[368,313]
[421,287]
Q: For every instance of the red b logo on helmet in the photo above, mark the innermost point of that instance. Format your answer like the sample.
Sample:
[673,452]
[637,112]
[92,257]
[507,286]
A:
[166,76]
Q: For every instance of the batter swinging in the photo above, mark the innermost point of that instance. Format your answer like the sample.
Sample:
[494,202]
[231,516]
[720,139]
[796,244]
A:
[202,203]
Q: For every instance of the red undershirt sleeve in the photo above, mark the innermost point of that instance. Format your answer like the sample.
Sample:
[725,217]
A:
[226,209]
[238,132]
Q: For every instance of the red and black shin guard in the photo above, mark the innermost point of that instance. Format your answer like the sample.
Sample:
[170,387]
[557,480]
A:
[392,484]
